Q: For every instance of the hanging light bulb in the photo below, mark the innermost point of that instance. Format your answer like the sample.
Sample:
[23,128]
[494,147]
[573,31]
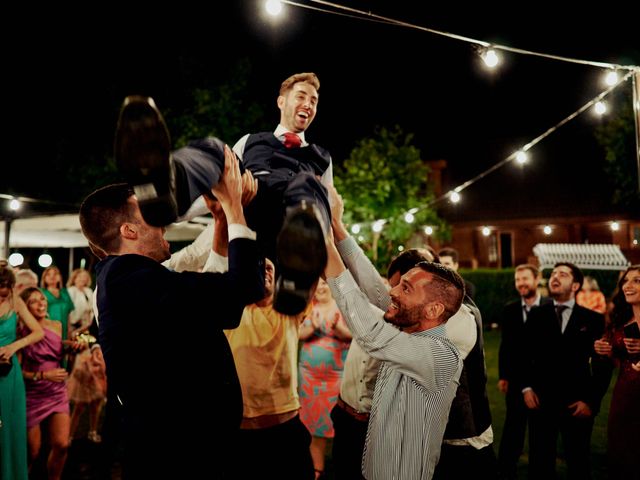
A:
[355,228]
[611,78]
[377,226]
[454,197]
[522,157]
[45,260]
[490,58]
[615,226]
[16,259]
[547,230]
[428,230]
[273,7]
[600,108]
[486,231]
[14,204]
[409,217]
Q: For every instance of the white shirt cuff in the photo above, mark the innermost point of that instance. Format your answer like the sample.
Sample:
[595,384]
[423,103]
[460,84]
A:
[240,231]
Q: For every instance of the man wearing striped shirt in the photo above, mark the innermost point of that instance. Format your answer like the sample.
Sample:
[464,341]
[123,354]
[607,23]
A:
[420,366]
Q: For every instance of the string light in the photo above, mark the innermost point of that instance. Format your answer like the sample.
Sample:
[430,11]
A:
[490,58]
[428,230]
[611,78]
[16,259]
[615,226]
[355,228]
[522,157]
[600,108]
[486,231]
[273,7]
[14,204]
[489,54]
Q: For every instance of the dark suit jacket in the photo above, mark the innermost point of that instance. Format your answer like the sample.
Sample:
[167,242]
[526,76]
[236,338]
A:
[168,362]
[563,367]
[512,341]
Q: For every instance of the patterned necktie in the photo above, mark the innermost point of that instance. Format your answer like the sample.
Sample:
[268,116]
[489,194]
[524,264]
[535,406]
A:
[291,140]
[559,310]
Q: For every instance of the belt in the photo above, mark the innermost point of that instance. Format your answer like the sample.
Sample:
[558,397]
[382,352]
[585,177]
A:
[358,415]
[266,421]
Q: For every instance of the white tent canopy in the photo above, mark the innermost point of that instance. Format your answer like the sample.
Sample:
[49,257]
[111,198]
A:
[63,231]
[590,256]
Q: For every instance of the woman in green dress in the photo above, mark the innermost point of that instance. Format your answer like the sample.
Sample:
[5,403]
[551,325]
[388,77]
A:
[60,303]
[13,410]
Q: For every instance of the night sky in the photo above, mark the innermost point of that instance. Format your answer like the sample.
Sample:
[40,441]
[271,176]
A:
[61,96]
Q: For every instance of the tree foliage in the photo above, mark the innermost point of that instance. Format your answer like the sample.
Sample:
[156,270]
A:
[384,178]
[223,111]
[617,137]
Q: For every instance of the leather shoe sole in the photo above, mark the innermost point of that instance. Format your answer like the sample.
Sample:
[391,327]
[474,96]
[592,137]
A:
[142,150]
[301,253]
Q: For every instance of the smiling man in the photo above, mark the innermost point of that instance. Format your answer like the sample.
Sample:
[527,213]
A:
[420,368]
[290,213]
[563,379]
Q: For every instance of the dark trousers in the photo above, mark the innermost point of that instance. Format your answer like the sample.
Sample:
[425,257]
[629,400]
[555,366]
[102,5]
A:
[544,426]
[199,166]
[279,452]
[515,426]
[466,462]
[348,444]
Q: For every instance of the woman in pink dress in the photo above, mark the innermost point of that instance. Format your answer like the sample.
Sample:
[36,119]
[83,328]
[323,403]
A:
[622,344]
[325,342]
[47,400]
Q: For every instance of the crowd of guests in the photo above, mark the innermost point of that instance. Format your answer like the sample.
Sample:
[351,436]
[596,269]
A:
[50,365]
[279,361]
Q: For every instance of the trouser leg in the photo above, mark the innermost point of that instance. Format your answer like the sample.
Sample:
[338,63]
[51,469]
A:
[199,167]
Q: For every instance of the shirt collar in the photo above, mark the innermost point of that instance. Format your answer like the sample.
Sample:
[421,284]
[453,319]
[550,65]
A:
[280,131]
[569,303]
[534,304]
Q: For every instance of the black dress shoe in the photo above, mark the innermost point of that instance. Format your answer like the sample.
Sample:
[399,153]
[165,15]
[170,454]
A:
[301,253]
[142,150]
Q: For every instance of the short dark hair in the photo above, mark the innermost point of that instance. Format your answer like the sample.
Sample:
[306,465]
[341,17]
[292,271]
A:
[449,252]
[448,284]
[576,273]
[527,266]
[408,259]
[102,213]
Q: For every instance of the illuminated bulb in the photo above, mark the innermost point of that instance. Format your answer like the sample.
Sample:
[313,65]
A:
[486,231]
[547,230]
[274,7]
[16,259]
[14,204]
[615,226]
[355,229]
[377,226]
[455,197]
[522,157]
[611,78]
[428,230]
[400,248]
[490,58]
[600,108]
[409,217]
[360,238]
[45,260]
[635,241]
